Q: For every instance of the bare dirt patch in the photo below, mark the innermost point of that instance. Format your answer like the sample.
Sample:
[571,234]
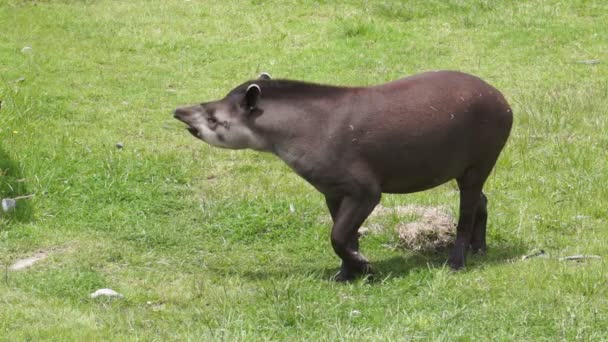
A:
[27,262]
[24,263]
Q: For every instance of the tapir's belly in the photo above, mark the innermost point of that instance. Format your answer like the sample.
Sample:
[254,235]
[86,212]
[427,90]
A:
[416,168]
[412,178]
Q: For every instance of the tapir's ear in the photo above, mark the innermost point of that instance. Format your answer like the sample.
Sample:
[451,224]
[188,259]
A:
[252,96]
[264,76]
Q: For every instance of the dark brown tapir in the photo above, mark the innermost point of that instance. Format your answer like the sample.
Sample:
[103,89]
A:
[355,143]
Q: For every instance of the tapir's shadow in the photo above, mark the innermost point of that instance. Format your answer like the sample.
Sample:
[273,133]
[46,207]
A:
[402,265]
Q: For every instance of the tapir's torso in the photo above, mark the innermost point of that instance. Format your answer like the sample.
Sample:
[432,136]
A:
[352,144]
[410,135]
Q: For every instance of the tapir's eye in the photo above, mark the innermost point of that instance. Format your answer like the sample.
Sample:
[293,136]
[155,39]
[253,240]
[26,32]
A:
[212,121]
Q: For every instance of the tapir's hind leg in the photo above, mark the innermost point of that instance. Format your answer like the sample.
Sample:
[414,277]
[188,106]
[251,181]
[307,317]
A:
[478,240]
[471,195]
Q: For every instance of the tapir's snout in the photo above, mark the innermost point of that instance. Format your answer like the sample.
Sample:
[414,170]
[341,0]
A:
[188,115]
[182,113]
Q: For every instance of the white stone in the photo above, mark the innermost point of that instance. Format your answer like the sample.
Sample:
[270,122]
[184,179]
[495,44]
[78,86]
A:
[105,293]
[8,204]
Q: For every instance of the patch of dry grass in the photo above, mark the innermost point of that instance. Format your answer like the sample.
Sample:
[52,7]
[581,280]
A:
[433,228]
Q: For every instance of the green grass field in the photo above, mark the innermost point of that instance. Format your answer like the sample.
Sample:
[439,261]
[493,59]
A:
[202,242]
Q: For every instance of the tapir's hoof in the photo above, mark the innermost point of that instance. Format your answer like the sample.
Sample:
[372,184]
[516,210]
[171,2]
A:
[456,268]
[455,264]
[343,277]
[348,274]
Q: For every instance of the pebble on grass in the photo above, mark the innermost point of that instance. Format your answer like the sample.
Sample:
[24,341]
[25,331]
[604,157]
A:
[106,293]
[9,204]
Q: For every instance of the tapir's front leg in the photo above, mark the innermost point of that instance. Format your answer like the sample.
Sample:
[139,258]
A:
[333,204]
[348,217]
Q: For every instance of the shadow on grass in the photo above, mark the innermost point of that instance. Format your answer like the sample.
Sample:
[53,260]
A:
[12,184]
[401,266]
[394,267]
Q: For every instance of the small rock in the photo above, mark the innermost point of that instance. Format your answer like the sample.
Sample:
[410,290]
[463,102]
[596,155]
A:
[106,293]
[355,313]
[27,49]
[8,204]
[119,145]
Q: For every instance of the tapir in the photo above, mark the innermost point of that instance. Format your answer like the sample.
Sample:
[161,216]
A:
[355,143]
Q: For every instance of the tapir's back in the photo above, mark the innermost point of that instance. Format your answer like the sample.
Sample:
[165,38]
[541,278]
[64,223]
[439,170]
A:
[421,131]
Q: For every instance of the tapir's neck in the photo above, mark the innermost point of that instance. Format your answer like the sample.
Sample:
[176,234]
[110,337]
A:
[292,127]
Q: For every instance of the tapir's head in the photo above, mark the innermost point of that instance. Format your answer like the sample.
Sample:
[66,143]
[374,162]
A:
[227,123]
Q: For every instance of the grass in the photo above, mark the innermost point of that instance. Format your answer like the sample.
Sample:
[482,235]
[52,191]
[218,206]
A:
[202,241]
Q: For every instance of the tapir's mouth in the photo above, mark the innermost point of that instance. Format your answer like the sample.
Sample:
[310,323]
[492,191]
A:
[193,131]
[184,116]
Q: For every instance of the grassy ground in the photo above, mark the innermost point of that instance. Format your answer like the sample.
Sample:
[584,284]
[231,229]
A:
[202,241]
